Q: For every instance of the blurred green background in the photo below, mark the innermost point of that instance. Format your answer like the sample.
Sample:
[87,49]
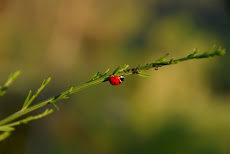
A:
[181,109]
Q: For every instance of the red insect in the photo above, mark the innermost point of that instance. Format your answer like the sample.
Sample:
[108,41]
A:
[116,80]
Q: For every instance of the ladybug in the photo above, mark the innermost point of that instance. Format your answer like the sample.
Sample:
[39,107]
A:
[116,80]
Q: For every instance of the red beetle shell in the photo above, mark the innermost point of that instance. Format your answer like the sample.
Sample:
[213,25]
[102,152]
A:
[116,80]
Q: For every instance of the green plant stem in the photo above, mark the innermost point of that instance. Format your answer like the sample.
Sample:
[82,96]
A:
[4,135]
[28,119]
[10,80]
[46,102]
[103,78]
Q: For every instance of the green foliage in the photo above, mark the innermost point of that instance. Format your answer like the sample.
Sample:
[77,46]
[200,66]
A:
[4,135]
[98,75]
[30,99]
[10,80]
[193,54]
[7,124]
[162,59]
[144,75]
[10,127]
[120,69]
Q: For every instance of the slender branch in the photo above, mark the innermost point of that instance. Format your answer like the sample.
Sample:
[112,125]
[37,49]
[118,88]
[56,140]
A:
[10,80]
[48,101]
[96,79]
[4,135]
[9,127]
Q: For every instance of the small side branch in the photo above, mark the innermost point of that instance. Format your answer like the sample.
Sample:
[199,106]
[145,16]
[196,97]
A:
[10,80]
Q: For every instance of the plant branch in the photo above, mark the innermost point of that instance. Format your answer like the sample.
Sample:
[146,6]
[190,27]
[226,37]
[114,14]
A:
[9,127]
[4,135]
[10,80]
[96,79]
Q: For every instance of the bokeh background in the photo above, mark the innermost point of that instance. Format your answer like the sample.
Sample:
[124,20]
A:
[181,109]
